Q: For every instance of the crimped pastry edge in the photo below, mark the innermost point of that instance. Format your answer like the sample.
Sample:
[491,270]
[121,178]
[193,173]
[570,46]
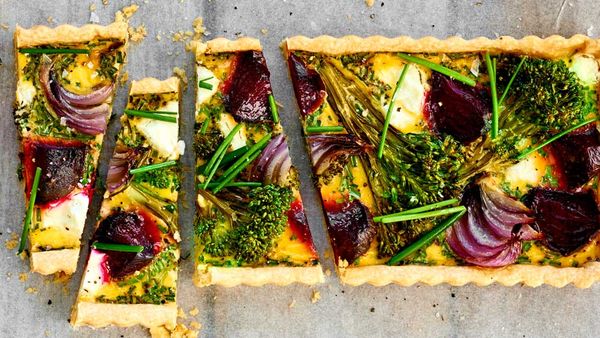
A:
[222,45]
[554,46]
[206,275]
[152,85]
[528,275]
[99,315]
[49,262]
[41,35]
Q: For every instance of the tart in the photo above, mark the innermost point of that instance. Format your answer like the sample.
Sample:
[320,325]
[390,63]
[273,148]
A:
[66,79]
[250,226]
[131,272]
[454,161]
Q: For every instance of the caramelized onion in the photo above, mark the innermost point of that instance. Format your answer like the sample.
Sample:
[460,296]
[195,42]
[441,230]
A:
[86,114]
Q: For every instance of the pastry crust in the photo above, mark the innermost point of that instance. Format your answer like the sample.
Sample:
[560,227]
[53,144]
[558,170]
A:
[104,314]
[151,85]
[42,35]
[49,262]
[551,47]
[206,275]
[529,275]
[222,45]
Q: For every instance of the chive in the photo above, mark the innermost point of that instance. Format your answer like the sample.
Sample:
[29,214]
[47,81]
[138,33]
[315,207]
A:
[204,126]
[324,129]
[222,148]
[555,137]
[408,217]
[228,158]
[53,51]
[29,215]
[151,167]
[273,108]
[151,115]
[420,209]
[257,147]
[492,74]
[512,78]
[236,172]
[428,237]
[439,68]
[118,247]
[162,112]
[388,115]
[213,170]
[205,85]
[235,184]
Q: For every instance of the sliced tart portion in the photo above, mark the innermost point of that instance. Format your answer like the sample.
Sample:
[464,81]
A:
[454,161]
[250,226]
[66,79]
[131,273]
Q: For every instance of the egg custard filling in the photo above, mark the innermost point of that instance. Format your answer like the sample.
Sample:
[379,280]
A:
[250,226]
[446,154]
[131,273]
[66,79]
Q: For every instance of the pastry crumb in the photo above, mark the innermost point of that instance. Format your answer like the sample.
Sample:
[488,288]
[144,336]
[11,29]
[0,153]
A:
[125,13]
[23,276]
[179,331]
[292,303]
[31,290]
[137,34]
[158,37]
[194,311]
[264,31]
[105,2]
[370,3]
[50,20]
[315,297]
[181,314]
[199,28]
[4,26]
[92,7]
[181,74]
[195,325]
[12,243]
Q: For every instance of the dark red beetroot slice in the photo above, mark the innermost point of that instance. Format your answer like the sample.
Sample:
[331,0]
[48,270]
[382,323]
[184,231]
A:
[62,165]
[299,224]
[308,86]
[456,109]
[578,155]
[131,228]
[567,220]
[248,88]
[351,229]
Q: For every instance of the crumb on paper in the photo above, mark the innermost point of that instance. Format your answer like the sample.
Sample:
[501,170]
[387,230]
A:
[199,28]
[181,314]
[50,20]
[47,333]
[137,34]
[195,325]
[31,290]
[264,31]
[92,7]
[179,331]
[292,303]
[316,295]
[194,311]
[125,13]
[23,276]
[4,26]
[158,37]
[12,242]
[370,3]
[105,2]
[181,74]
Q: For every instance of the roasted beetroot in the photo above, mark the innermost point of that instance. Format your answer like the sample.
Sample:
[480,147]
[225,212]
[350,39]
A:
[308,86]
[131,228]
[62,166]
[248,88]
[299,224]
[578,155]
[457,109]
[351,229]
[567,220]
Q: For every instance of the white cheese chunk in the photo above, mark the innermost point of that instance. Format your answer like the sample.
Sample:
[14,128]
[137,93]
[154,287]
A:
[204,94]
[586,68]
[527,173]
[162,135]
[94,275]
[68,214]
[226,124]
[25,92]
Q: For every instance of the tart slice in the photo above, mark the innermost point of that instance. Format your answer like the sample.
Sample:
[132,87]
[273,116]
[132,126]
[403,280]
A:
[455,161]
[250,226]
[66,78]
[131,273]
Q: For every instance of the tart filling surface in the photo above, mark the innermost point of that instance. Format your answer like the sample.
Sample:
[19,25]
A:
[250,226]
[65,85]
[464,157]
[134,253]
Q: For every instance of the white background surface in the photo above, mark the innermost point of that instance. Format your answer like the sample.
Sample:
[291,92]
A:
[344,311]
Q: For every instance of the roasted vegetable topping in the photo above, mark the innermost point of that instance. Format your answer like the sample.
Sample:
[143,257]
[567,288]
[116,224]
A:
[309,88]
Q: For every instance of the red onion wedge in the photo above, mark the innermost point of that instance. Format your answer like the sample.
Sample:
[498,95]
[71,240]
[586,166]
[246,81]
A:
[87,114]
[122,161]
[491,232]
[327,149]
[274,163]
